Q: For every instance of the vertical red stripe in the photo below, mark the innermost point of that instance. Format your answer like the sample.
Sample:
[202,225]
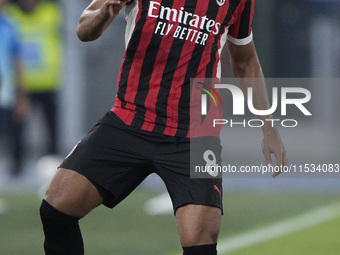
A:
[135,71]
[156,78]
[118,103]
[124,114]
[236,18]
[175,92]
[127,118]
[206,55]
[203,68]
[139,11]
[176,88]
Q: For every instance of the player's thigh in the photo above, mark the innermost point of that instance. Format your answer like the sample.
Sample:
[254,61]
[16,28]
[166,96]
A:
[197,202]
[198,224]
[72,193]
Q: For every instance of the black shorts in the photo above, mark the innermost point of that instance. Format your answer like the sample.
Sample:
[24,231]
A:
[116,158]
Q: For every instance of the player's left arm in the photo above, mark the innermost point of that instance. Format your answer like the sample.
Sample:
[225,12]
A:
[245,64]
[97,17]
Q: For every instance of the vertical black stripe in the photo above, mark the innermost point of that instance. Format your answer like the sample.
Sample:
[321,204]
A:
[232,8]
[130,53]
[168,75]
[243,31]
[210,66]
[146,72]
[184,102]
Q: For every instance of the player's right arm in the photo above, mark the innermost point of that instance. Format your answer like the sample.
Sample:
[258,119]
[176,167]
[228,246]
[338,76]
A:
[97,17]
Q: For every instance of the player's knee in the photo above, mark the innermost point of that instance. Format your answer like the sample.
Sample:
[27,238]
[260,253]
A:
[205,236]
[72,193]
[53,200]
[49,215]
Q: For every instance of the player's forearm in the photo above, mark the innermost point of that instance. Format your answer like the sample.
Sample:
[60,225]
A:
[92,25]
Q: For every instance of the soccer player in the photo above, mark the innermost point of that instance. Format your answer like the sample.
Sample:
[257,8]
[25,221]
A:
[167,43]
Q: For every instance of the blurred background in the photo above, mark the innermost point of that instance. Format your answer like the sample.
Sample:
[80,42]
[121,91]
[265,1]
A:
[68,85]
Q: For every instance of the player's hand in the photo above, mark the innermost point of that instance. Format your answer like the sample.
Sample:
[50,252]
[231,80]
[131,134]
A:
[272,144]
[111,7]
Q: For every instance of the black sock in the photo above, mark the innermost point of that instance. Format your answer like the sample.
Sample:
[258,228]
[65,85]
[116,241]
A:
[207,249]
[62,233]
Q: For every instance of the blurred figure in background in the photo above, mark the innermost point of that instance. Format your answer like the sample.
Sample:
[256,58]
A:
[39,25]
[13,101]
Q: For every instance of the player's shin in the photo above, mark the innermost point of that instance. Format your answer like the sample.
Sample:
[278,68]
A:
[62,233]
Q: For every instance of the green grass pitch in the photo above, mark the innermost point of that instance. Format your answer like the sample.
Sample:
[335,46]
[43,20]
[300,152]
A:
[127,230]
[323,239]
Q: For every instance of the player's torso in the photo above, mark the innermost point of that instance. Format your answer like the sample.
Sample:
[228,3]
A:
[185,20]
[186,25]
[168,42]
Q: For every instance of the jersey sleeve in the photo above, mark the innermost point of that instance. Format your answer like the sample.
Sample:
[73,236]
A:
[131,11]
[240,32]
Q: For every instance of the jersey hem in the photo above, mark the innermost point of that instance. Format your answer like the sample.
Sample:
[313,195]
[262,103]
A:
[127,116]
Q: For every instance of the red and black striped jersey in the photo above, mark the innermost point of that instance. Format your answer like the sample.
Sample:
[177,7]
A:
[167,43]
